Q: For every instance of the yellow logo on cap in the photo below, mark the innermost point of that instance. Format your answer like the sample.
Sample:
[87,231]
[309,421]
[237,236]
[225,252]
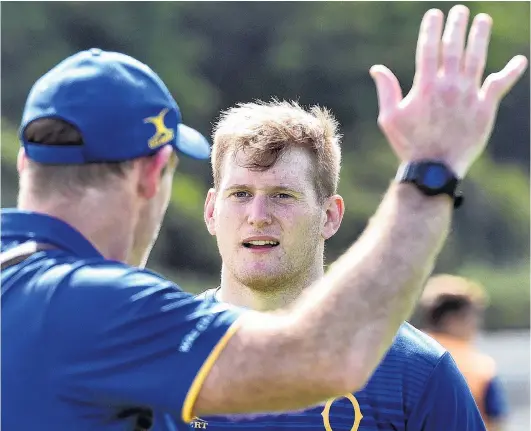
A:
[162,135]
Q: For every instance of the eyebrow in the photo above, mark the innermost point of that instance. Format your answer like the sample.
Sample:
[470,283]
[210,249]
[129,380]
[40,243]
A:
[283,187]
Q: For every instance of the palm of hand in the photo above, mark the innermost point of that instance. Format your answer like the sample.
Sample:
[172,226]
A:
[446,116]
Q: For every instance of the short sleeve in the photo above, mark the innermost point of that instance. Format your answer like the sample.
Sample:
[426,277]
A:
[142,342]
[447,403]
[496,406]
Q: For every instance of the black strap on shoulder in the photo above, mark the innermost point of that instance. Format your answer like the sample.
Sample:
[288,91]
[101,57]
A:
[21,252]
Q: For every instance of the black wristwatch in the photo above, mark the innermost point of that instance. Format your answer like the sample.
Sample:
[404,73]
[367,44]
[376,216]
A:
[432,178]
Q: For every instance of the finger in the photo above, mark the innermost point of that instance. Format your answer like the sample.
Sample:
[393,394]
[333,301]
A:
[498,84]
[477,47]
[428,45]
[388,89]
[453,40]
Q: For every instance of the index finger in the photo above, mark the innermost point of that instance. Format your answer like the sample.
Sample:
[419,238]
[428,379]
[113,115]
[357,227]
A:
[428,45]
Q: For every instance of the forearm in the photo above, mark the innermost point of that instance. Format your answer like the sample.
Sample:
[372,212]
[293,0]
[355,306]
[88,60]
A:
[354,312]
[337,332]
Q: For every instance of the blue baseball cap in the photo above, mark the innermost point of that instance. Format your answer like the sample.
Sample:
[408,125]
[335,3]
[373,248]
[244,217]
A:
[120,106]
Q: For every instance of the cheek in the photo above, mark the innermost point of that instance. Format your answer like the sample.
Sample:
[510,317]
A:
[227,221]
[225,215]
[302,225]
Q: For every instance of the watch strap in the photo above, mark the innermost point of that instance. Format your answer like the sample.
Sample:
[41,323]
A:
[416,172]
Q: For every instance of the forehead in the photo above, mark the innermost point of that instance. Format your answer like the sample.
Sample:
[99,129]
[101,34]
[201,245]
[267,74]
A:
[294,168]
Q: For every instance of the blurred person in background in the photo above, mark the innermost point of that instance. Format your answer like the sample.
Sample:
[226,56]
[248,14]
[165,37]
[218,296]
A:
[452,310]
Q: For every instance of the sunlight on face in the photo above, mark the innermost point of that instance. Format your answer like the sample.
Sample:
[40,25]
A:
[276,206]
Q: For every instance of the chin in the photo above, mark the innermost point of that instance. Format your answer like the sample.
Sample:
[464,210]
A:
[260,280]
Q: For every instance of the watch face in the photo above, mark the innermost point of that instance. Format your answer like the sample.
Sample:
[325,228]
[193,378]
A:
[435,176]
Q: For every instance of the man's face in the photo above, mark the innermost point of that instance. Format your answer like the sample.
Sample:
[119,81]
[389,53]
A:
[268,224]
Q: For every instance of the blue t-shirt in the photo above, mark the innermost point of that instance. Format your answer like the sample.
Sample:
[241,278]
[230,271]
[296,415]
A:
[417,387]
[87,341]
[496,405]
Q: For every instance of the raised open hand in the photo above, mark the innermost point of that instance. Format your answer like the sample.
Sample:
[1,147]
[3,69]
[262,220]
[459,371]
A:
[448,115]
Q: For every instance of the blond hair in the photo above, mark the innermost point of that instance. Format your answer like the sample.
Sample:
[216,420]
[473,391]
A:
[445,286]
[263,131]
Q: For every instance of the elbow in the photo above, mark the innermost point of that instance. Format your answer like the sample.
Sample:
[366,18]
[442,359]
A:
[344,377]
[360,361]
[353,372]
[357,375]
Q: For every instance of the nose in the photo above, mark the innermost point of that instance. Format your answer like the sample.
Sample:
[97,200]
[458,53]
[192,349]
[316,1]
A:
[258,212]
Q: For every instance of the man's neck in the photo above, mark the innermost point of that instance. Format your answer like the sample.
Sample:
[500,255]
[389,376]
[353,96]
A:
[237,293]
[97,221]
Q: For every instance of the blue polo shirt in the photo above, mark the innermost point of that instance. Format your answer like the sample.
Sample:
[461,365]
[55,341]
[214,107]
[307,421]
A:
[416,387]
[85,339]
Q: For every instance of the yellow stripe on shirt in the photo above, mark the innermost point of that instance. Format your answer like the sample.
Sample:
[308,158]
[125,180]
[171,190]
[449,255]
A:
[202,374]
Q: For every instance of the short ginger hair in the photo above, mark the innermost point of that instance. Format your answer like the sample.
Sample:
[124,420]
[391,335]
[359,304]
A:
[263,131]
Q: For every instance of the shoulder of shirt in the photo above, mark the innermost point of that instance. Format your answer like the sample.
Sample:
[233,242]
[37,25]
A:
[102,273]
[415,347]
[485,365]
[487,361]
[410,363]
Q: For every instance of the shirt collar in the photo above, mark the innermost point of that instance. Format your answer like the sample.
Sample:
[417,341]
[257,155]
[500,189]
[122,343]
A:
[27,225]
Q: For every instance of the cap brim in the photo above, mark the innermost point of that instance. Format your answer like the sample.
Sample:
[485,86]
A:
[192,143]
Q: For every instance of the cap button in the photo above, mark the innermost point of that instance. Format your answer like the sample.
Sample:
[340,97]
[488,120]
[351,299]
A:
[95,51]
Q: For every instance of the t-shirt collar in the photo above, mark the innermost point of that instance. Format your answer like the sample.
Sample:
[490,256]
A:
[26,225]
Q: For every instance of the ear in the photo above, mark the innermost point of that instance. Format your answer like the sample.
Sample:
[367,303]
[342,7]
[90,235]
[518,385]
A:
[209,211]
[22,159]
[334,211]
[151,172]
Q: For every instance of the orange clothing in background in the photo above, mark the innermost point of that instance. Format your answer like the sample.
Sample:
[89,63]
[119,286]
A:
[478,368]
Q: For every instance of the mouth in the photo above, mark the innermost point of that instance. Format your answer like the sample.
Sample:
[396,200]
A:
[260,244]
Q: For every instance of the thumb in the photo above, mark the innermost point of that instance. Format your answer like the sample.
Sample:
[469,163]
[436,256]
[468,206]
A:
[498,84]
[387,87]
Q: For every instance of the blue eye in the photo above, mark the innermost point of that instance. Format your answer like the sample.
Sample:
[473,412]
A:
[241,194]
[283,196]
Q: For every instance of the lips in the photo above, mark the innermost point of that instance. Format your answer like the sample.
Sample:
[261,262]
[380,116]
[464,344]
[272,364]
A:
[260,242]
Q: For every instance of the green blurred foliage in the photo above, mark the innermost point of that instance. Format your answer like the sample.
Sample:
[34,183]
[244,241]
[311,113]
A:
[214,54]
[509,303]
